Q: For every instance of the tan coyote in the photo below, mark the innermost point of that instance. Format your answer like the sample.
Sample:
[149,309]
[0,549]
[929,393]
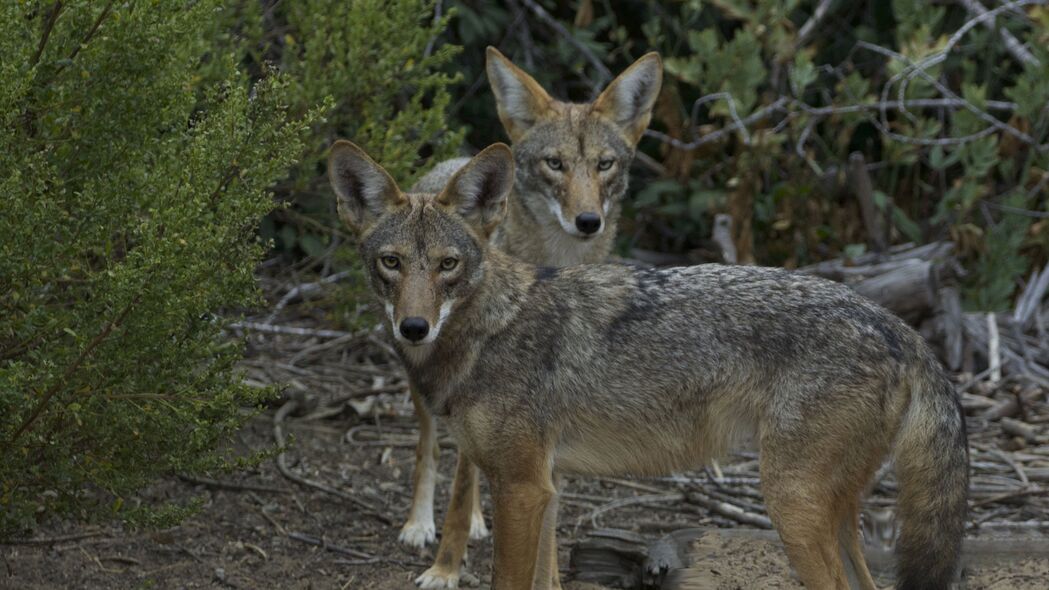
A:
[610,370]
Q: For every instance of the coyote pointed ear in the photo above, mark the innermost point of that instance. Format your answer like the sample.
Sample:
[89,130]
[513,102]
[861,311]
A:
[364,190]
[520,99]
[629,99]
[478,191]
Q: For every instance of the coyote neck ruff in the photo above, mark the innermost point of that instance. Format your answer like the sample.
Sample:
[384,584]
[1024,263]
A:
[606,369]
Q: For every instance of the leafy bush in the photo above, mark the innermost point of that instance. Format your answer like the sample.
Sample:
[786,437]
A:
[955,149]
[382,63]
[135,162]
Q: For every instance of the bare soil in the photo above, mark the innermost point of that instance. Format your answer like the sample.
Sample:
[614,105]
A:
[250,538]
[727,563]
[260,538]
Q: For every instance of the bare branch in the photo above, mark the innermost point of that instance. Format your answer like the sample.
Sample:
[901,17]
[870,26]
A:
[1012,44]
[818,15]
[291,330]
[756,116]
[437,8]
[603,72]
[919,69]
[56,8]
[781,104]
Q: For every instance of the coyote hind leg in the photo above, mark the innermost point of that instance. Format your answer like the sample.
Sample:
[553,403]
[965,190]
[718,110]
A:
[849,541]
[804,512]
[419,529]
[812,484]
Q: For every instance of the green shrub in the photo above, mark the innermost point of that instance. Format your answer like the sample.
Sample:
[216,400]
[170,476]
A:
[135,163]
[382,64]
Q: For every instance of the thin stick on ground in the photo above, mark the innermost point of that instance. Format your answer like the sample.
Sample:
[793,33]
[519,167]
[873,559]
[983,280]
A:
[321,542]
[229,485]
[54,540]
[282,466]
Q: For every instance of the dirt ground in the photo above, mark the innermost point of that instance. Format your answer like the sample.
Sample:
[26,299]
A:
[261,538]
[736,564]
[268,532]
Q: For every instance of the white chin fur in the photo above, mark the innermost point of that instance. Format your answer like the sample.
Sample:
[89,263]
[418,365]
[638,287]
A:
[418,351]
[569,226]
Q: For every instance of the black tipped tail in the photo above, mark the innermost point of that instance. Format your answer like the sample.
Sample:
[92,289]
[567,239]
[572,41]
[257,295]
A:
[932,465]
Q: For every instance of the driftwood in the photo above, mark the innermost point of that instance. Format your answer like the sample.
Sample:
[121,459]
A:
[860,180]
[918,284]
[907,280]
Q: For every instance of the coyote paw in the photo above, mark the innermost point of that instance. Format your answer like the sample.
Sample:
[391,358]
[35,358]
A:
[477,528]
[436,577]
[418,534]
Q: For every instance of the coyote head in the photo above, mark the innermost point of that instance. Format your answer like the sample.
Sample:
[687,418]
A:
[423,253]
[573,160]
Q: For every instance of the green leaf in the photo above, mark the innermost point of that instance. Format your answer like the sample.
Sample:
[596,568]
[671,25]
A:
[907,227]
[802,74]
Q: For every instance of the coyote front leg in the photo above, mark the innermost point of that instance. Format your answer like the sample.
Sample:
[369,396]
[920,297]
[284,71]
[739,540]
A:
[546,567]
[520,507]
[444,573]
[420,530]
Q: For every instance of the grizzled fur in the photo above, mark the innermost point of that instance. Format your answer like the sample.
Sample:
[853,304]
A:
[540,226]
[594,145]
[612,370]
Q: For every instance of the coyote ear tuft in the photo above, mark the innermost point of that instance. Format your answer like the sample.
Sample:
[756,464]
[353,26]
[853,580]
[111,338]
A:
[521,101]
[629,99]
[363,188]
[478,191]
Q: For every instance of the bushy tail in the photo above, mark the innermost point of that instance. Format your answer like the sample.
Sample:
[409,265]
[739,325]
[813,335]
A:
[932,465]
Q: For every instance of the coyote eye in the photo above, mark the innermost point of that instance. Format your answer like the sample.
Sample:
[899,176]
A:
[605,164]
[391,262]
[555,164]
[449,263]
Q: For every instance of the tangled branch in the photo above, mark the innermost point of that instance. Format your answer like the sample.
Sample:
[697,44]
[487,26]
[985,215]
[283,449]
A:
[789,108]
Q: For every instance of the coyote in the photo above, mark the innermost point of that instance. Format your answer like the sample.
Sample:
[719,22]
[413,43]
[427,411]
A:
[573,168]
[611,370]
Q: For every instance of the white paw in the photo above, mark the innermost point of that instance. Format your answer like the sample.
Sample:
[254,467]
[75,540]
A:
[437,578]
[477,528]
[417,534]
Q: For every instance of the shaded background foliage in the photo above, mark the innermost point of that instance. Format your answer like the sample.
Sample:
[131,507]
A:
[809,79]
[152,153]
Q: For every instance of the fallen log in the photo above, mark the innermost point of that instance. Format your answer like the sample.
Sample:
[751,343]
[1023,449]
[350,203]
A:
[909,281]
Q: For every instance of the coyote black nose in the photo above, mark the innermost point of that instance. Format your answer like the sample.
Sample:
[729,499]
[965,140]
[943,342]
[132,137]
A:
[588,223]
[414,328]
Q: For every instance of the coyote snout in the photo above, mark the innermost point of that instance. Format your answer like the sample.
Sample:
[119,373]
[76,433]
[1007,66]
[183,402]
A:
[416,308]
[578,204]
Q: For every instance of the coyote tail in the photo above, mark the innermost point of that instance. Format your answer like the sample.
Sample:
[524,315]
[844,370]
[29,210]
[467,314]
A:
[932,465]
